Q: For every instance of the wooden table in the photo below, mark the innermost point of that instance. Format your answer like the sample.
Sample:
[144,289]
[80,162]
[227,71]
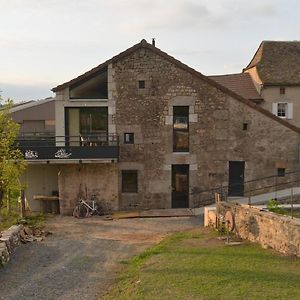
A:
[46,201]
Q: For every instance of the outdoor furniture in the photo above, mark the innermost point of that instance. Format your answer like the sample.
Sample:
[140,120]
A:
[48,204]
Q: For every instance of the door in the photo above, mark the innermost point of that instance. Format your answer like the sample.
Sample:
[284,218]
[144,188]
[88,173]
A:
[236,178]
[180,186]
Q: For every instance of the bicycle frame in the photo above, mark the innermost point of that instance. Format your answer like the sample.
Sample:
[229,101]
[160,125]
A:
[92,208]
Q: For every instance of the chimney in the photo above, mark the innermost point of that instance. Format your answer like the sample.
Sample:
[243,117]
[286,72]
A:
[153,42]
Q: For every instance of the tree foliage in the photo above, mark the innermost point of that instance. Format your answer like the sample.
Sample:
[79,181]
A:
[12,163]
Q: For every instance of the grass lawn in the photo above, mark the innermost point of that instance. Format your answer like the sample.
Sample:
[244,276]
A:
[196,265]
[296,213]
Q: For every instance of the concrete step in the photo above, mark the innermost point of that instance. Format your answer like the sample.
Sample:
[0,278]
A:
[154,213]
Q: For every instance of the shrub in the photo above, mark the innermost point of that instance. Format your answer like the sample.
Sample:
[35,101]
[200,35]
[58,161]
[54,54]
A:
[273,206]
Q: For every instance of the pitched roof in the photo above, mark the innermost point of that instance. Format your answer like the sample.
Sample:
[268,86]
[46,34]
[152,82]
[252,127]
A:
[241,84]
[29,104]
[277,62]
[179,64]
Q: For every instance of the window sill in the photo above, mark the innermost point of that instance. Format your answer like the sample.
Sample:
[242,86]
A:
[181,152]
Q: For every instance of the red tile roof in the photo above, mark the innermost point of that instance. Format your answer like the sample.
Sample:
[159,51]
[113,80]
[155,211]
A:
[241,84]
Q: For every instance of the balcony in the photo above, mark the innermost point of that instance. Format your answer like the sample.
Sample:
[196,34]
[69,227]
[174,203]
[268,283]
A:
[38,147]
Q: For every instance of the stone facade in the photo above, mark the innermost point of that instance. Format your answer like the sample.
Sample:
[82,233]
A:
[90,181]
[215,130]
[216,135]
[271,230]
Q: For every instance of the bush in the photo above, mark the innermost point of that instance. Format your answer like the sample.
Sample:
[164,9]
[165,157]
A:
[273,206]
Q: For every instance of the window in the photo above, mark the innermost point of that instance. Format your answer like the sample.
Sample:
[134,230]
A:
[129,138]
[142,84]
[129,181]
[245,126]
[283,110]
[282,90]
[280,172]
[180,128]
[91,88]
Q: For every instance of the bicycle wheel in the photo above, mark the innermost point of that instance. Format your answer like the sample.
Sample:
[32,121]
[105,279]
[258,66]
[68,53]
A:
[80,211]
[76,211]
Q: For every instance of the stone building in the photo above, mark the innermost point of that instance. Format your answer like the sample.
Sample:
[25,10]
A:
[275,71]
[143,130]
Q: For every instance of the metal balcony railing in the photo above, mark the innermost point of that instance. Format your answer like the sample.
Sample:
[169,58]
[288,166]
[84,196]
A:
[85,146]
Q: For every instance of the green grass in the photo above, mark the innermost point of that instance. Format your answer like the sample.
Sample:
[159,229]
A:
[12,218]
[7,220]
[193,265]
[296,213]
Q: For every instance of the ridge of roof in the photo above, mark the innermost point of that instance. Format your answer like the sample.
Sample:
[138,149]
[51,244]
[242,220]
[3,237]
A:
[145,44]
[85,75]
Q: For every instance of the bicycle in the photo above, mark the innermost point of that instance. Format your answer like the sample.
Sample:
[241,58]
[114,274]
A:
[84,210]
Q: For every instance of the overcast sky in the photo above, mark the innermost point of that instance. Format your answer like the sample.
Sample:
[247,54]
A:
[44,43]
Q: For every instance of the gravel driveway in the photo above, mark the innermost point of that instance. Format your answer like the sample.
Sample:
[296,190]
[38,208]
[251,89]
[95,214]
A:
[81,258]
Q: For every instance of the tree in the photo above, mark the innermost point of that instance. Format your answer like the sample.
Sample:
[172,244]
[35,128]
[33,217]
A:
[12,163]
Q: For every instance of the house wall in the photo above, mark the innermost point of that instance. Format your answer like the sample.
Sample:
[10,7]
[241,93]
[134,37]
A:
[62,100]
[216,135]
[97,181]
[36,118]
[255,78]
[39,179]
[271,94]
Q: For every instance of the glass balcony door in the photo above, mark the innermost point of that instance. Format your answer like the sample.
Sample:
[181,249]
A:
[87,126]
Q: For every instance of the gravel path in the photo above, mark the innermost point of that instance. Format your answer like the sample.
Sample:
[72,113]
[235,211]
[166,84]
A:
[81,258]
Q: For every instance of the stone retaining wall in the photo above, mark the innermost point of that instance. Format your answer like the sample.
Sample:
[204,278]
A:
[9,240]
[282,233]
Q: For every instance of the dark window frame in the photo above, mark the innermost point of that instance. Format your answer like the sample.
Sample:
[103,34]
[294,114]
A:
[245,126]
[179,130]
[282,90]
[282,109]
[125,187]
[131,138]
[142,84]
[280,172]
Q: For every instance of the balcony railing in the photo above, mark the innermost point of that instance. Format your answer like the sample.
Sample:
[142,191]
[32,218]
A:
[50,147]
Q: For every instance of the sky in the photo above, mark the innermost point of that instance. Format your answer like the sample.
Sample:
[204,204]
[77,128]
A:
[44,43]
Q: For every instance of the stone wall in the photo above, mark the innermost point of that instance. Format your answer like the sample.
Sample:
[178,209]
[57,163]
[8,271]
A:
[87,180]
[216,131]
[271,230]
[9,240]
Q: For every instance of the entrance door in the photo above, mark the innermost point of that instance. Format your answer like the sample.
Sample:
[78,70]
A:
[180,186]
[236,178]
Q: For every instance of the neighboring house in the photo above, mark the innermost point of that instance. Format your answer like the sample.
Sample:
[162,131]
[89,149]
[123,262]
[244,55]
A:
[37,127]
[143,130]
[35,117]
[275,71]
[241,84]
